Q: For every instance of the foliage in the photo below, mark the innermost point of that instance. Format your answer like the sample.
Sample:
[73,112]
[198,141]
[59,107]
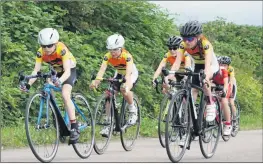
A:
[84,27]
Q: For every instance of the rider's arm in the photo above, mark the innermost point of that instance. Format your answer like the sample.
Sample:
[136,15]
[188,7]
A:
[37,68]
[159,69]
[208,52]
[225,76]
[102,70]
[66,74]
[187,61]
[232,75]
[177,62]
[180,53]
[129,65]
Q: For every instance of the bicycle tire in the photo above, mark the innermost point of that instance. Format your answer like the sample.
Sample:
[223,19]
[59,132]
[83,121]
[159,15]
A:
[161,120]
[235,131]
[136,126]
[98,114]
[54,122]
[168,136]
[86,120]
[217,121]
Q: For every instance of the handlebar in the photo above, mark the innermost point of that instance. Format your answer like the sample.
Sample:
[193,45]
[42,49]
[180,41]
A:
[188,72]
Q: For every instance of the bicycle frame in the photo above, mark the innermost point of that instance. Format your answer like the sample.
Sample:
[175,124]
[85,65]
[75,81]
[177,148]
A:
[110,92]
[64,122]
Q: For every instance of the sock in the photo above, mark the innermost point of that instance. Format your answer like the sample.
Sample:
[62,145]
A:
[132,107]
[74,124]
[227,123]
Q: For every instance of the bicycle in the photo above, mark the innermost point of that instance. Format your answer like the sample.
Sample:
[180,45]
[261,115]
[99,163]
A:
[217,90]
[46,126]
[184,122]
[117,121]
[174,86]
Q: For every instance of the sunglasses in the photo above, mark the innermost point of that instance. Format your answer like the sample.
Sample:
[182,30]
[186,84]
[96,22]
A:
[172,48]
[48,46]
[114,50]
[189,39]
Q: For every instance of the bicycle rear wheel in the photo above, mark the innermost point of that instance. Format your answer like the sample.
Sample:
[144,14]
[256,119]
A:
[130,134]
[235,128]
[42,129]
[85,120]
[210,131]
[177,127]
[101,142]
[162,119]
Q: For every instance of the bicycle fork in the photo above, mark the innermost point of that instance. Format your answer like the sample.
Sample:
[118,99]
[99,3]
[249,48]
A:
[194,129]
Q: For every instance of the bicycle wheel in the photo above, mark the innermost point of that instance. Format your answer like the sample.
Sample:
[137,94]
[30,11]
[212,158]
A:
[130,134]
[162,118]
[210,131]
[177,127]
[101,142]
[42,129]
[86,125]
[235,128]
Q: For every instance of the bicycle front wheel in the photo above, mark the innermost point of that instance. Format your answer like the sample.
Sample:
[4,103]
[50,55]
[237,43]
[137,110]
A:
[104,123]
[162,119]
[210,131]
[177,127]
[86,126]
[237,124]
[42,129]
[130,134]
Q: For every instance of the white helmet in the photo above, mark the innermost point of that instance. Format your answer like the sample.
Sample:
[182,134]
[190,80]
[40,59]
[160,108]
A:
[115,41]
[48,36]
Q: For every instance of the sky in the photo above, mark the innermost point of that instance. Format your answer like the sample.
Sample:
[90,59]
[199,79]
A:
[239,12]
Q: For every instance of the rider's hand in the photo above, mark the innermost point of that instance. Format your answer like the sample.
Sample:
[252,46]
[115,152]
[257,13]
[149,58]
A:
[25,87]
[124,88]
[171,76]
[94,84]
[154,82]
[57,82]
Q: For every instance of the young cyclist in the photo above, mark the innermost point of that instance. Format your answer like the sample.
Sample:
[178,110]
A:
[197,45]
[55,53]
[221,78]
[170,57]
[122,60]
[233,84]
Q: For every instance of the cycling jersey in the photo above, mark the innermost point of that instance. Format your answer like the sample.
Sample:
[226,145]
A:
[231,72]
[220,76]
[56,58]
[121,62]
[206,48]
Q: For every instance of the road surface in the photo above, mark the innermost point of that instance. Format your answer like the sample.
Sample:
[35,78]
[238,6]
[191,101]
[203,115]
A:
[245,147]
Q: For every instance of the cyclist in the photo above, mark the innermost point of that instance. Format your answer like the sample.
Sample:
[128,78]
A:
[221,78]
[233,84]
[122,60]
[197,45]
[55,53]
[170,57]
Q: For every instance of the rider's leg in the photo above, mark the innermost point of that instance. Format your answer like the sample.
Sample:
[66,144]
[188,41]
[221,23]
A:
[226,110]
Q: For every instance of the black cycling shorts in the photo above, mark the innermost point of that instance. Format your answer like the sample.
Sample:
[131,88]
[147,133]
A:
[72,78]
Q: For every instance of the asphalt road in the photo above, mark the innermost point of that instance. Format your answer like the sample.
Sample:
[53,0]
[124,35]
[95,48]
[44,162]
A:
[245,147]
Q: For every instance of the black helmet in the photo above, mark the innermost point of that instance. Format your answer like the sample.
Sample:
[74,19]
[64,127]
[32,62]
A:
[219,59]
[174,41]
[191,28]
[225,60]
